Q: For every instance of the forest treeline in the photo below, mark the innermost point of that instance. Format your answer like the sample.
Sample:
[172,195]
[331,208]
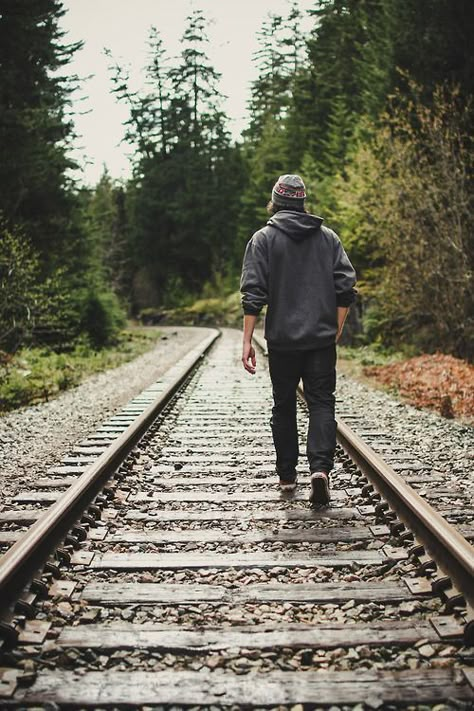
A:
[372,106]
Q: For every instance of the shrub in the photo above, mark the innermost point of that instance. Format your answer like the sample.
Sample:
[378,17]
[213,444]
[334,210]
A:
[406,207]
[103,318]
[34,310]
[19,276]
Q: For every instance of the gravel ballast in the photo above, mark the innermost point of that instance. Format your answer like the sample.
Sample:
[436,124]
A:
[35,438]
[444,448]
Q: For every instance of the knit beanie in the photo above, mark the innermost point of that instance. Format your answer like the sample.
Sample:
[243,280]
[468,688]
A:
[289,191]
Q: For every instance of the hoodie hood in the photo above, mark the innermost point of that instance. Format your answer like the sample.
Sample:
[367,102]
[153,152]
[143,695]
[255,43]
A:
[297,225]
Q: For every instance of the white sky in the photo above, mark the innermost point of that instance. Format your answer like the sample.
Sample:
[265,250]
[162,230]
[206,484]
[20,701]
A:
[122,26]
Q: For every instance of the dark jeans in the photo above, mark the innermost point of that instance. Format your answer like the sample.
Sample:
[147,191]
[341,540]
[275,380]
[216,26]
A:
[317,368]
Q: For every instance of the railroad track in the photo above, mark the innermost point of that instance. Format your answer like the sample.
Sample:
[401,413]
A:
[182,576]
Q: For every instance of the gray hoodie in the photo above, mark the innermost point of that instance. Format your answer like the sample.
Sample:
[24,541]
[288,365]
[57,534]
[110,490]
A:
[300,270]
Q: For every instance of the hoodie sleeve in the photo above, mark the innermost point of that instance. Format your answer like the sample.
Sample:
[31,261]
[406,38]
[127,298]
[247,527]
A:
[344,276]
[254,278]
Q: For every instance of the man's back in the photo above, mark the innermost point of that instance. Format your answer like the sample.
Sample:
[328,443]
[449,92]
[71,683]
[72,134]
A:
[299,268]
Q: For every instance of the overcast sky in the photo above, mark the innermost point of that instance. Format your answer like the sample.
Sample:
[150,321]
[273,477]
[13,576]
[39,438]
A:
[122,26]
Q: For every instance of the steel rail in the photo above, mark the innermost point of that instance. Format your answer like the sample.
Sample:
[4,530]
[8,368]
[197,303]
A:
[19,564]
[452,553]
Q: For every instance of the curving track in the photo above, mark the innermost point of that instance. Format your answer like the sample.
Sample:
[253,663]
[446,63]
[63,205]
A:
[191,581]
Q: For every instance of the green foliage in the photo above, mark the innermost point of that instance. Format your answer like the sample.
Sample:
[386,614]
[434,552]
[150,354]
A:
[38,374]
[275,135]
[105,222]
[415,187]
[221,285]
[19,271]
[51,250]
[386,166]
[103,318]
[349,51]
[184,199]
[265,162]
[217,310]
[372,354]
[35,377]
[58,320]
[34,130]
[281,50]
[33,309]
[441,31]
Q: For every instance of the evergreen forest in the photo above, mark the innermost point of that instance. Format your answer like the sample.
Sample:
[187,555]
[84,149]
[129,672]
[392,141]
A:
[372,106]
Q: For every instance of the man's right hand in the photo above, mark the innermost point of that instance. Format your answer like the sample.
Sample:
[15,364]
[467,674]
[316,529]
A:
[249,360]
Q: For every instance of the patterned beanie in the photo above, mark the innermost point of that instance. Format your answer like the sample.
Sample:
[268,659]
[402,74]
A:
[289,191]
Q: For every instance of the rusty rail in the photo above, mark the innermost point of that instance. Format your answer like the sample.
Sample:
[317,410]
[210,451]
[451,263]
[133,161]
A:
[20,563]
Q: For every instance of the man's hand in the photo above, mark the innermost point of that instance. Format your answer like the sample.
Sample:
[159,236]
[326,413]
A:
[342,312]
[248,358]
[248,352]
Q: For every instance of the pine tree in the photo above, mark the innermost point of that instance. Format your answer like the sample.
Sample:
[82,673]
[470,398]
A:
[351,70]
[140,127]
[107,230]
[265,162]
[441,31]
[35,128]
[275,59]
[183,199]
[38,198]
[273,141]
[158,79]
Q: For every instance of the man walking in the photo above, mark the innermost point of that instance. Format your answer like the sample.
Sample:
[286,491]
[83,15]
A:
[299,269]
